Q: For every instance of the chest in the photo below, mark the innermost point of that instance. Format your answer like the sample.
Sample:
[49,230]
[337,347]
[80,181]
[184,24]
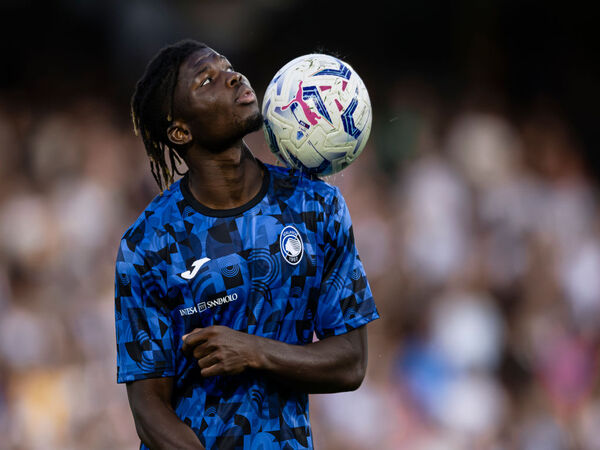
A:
[255,273]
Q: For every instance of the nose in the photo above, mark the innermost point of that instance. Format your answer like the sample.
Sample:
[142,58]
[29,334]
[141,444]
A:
[234,78]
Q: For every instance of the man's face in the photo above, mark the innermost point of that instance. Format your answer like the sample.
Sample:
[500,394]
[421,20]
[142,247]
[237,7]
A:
[215,102]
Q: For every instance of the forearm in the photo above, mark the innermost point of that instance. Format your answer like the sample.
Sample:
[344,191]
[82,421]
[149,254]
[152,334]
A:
[335,364]
[158,426]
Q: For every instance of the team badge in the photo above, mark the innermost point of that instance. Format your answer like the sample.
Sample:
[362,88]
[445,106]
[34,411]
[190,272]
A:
[290,243]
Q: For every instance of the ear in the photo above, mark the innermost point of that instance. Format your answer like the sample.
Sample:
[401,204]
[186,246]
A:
[179,133]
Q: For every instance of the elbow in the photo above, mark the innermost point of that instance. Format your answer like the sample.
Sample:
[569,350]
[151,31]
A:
[140,431]
[350,352]
[146,421]
[140,427]
[354,376]
[357,379]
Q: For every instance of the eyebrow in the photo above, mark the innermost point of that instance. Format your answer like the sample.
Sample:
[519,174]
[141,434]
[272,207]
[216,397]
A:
[199,62]
[203,61]
[198,72]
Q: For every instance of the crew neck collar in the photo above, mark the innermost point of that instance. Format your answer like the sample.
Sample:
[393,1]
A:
[205,210]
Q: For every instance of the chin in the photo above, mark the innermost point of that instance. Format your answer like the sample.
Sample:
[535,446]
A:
[253,123]
[242,127]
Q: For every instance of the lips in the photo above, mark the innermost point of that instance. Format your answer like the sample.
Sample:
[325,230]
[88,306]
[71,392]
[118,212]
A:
[246,96]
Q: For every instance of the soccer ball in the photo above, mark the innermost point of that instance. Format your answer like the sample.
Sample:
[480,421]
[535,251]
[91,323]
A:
[317,114]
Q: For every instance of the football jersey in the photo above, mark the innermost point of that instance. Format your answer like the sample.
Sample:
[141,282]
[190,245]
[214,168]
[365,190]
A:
[283,266]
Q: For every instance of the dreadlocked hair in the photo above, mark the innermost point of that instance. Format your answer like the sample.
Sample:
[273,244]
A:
[152,108]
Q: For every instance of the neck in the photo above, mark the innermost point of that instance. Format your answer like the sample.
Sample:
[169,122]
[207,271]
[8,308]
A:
[224,180]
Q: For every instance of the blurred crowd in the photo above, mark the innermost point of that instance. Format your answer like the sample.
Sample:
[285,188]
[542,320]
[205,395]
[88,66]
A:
[479,231]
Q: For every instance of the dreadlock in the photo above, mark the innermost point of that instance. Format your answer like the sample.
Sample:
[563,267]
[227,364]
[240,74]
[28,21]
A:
[152,108]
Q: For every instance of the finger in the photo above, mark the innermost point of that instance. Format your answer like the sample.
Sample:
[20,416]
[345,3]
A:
[220,368]
[207,361]
[214,370]
[203,349]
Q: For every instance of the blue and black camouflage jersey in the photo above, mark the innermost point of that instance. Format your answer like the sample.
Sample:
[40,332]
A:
[284,266]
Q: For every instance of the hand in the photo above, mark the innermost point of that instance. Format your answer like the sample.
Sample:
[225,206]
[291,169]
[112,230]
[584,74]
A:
[220,350]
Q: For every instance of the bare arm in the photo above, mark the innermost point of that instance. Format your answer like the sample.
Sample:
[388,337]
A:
[156,423]
[333,364]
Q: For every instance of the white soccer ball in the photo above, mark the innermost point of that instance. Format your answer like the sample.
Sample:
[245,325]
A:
[317,114]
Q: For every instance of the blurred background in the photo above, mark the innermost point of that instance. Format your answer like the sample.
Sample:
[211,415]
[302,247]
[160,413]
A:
[475,209]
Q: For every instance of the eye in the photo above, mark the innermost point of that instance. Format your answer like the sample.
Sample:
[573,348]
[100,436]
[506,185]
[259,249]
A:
[229,69]
[206,81]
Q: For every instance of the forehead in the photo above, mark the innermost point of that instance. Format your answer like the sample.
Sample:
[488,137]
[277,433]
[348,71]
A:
[195,60]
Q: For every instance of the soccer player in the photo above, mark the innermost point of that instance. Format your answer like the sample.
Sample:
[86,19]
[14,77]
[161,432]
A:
[225,277]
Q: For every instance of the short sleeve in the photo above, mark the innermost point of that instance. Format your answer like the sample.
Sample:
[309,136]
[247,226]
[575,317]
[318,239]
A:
[143,326]
[345,301]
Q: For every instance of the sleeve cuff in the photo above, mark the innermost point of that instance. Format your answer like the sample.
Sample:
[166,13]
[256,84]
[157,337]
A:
[350,325]
[127,377]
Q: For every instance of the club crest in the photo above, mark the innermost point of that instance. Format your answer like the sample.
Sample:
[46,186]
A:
[290,243]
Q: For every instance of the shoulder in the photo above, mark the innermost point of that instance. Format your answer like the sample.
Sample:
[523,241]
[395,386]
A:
[293,182]
[163,211]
